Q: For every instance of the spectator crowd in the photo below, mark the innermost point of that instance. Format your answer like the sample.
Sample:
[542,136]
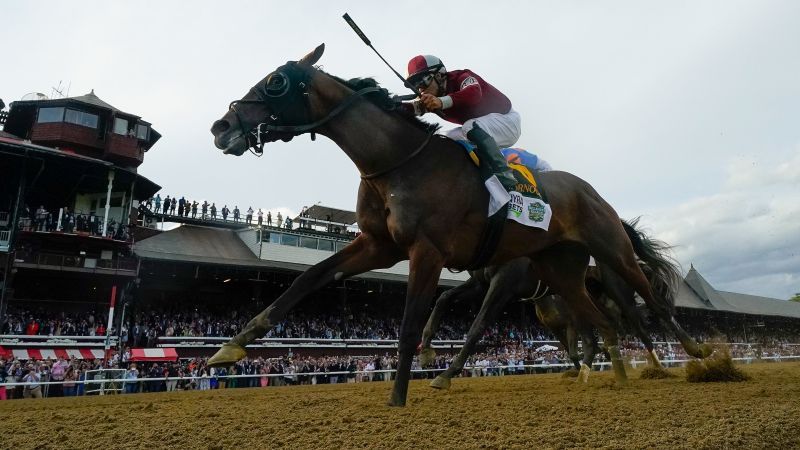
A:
[506,349]
[181,207]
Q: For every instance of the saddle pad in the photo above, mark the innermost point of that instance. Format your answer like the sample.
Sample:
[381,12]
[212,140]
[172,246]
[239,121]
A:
[527,205]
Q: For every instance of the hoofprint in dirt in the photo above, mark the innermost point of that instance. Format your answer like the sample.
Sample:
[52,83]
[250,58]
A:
[541,411]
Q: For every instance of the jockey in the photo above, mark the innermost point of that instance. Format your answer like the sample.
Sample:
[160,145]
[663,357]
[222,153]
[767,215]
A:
[461,96]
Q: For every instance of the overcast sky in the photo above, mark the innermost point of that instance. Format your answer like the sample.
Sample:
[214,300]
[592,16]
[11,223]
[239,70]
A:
[686,113]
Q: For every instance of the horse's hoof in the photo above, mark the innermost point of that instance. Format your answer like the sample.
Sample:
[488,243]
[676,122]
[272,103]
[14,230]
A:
[396,401]
[426,356]
[440,382]
[583,375]
[227,355]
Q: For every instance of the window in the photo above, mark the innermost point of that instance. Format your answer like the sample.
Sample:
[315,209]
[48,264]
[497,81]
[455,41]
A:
[290,240]
[272,238]
[81,118]
[121,126]
[308,242]
[340,245]
[141,131]
[48,115]
[326,244]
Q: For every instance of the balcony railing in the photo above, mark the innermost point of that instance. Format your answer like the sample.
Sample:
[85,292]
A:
[118,265]
[5,236]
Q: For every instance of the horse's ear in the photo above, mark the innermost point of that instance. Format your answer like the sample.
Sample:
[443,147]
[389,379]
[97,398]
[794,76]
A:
[312,58]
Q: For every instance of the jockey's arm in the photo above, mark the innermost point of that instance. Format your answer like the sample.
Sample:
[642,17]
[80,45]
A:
[468,94]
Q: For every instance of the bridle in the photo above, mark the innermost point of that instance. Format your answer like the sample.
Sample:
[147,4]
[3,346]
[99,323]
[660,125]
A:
[285,93]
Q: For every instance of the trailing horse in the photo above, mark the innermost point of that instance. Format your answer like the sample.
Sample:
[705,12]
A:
[420,199]
[610,295]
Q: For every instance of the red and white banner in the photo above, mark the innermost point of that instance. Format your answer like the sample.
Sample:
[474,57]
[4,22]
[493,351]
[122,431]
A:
[154,354]
[53,353]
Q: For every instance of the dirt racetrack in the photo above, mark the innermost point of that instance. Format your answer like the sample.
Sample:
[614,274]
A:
[536,411]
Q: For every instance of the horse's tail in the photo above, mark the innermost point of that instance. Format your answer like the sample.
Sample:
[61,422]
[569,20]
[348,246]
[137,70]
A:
[661,269]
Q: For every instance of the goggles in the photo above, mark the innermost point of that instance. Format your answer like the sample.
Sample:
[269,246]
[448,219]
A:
[422,82]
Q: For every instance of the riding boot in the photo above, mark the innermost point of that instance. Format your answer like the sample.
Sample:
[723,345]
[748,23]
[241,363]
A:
[489,153]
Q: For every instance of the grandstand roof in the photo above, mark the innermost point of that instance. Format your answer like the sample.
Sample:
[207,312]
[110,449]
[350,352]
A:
[329,214]
[696,292]
[205,245]
[753,304]
[195,244]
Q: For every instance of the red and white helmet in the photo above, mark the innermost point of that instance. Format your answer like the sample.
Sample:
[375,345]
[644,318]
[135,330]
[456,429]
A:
[422,65]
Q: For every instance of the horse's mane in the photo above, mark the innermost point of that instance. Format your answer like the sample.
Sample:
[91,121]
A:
[383,99]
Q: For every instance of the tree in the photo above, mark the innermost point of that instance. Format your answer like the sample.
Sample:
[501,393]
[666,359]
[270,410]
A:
[795,298]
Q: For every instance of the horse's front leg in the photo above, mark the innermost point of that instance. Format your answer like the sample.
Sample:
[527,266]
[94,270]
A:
[470,289]
[425,264]
[363,254]
[501,290]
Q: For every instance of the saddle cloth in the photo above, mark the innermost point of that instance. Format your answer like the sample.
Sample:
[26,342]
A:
[526,205]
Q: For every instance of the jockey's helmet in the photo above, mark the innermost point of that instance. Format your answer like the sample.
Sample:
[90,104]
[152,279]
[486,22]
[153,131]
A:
[422,68]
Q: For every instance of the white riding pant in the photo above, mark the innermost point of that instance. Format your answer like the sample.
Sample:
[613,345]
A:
[504,128]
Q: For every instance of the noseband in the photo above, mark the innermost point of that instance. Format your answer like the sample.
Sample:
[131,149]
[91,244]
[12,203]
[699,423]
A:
[285,93]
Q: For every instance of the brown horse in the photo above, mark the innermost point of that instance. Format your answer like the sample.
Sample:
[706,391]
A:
[420,199]
[519,278]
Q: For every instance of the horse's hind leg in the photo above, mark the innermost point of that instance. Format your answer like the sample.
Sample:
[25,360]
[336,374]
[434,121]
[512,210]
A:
[623,296]
[611,245]
[564,268]
[469,290]
[363,254]
[501,290]
[589,352]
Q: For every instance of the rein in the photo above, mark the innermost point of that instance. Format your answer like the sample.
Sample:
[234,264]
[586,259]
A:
[401,163]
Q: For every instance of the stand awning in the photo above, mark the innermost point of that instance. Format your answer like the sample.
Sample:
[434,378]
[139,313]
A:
[154,354]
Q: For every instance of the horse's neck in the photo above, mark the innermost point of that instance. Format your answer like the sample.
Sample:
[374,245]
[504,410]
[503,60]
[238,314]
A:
[372,138]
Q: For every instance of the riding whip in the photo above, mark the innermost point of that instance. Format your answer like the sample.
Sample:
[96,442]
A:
[364,38]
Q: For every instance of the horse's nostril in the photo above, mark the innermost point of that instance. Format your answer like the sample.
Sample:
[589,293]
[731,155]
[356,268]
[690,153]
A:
[220,126]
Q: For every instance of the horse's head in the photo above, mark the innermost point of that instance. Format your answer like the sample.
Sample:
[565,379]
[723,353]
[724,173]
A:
[280,100]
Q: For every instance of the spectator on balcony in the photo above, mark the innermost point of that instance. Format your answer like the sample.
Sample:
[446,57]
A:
[225,212]
[32,329]
[279,219]
[158,203]
[213,211]
[249,215]
[269,219]
[94,224]
[186,207]
[39,219]
[181,205]
[204,209]
[236,214]
[261,217]
[167,204]
[173,204]
[67,221]
[194,209]
[50,222]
